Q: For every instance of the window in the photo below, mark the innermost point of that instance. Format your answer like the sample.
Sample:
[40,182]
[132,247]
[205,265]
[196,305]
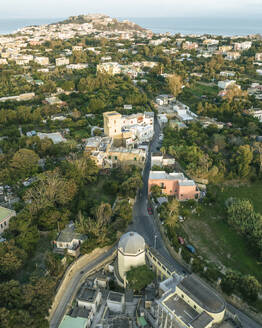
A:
[115,121]
[115,131]
[1,226]
[135,158]
[194,307]
[109,157]
[5,223]
[162,185]
[115,157]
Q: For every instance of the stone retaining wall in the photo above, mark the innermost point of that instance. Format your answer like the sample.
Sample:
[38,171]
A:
[70,272]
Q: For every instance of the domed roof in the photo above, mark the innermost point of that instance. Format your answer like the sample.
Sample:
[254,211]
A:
[131,243]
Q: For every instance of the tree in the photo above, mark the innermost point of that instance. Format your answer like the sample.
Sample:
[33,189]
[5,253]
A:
[140,277]
[156,191]
[11,258]
[173,209]
[242,160]
[53,264]
[235,92]
[51,189]
[175,84]
[24,163]
[230,282]
[131,185]
[250,288]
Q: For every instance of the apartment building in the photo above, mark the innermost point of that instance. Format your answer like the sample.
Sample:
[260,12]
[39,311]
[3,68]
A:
[189,45]
[258,57]
[188,303]
[111,68]
[233,55]
[225,49]
[61,61]
[43,61]
[241,46]
[134,128]
[173,184]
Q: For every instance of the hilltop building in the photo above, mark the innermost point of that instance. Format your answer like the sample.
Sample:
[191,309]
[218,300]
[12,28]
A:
[188,303]
[130,253]
[131,129]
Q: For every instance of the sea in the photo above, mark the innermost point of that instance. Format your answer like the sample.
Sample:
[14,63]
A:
[229,26]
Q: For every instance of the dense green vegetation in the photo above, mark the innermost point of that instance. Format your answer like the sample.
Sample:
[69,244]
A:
[140,277]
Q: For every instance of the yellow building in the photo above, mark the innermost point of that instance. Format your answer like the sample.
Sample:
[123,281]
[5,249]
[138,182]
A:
[190,303]
[112,124]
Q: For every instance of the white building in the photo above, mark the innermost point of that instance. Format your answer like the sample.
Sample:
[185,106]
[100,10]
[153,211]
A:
[184,113]
[162,119]
[89,298]
[258,57]
[240,46]
[111,68]
[131,253]
[56,137]
[227,73]
[115,302]
[43,61]
[3,61]
[162,160]
[225,84]
[61,61]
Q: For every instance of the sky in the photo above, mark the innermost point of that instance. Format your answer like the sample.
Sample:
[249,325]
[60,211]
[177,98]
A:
[129,8]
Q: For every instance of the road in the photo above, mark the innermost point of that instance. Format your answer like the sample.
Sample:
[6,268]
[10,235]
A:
[61,308]
[145,225]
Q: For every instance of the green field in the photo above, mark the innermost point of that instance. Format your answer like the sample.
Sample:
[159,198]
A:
[218,242]
[193,95]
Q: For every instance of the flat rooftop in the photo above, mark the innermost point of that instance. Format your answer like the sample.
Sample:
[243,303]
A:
[186,183]
[87,294]
[115,297]
[202,294]
[5,213]
[80,312]
[162,260]
[69,322]
[181,309]
[202,321]
[162,175]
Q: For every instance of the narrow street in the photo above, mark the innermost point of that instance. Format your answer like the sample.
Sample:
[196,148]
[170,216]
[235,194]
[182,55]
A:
[145,225]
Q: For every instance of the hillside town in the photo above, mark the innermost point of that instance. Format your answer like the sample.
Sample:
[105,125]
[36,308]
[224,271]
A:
[130,177]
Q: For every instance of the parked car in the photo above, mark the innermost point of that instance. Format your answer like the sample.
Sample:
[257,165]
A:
[150,211]
[191,248]
[181,240]
[181,219]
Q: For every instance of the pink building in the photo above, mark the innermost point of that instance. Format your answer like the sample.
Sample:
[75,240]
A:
[173,184]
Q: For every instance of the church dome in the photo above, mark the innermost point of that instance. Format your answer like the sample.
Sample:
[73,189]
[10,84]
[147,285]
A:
[131,243]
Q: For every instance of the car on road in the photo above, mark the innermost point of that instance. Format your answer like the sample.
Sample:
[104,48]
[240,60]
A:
[161,136]
[191,248]
[149,210]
